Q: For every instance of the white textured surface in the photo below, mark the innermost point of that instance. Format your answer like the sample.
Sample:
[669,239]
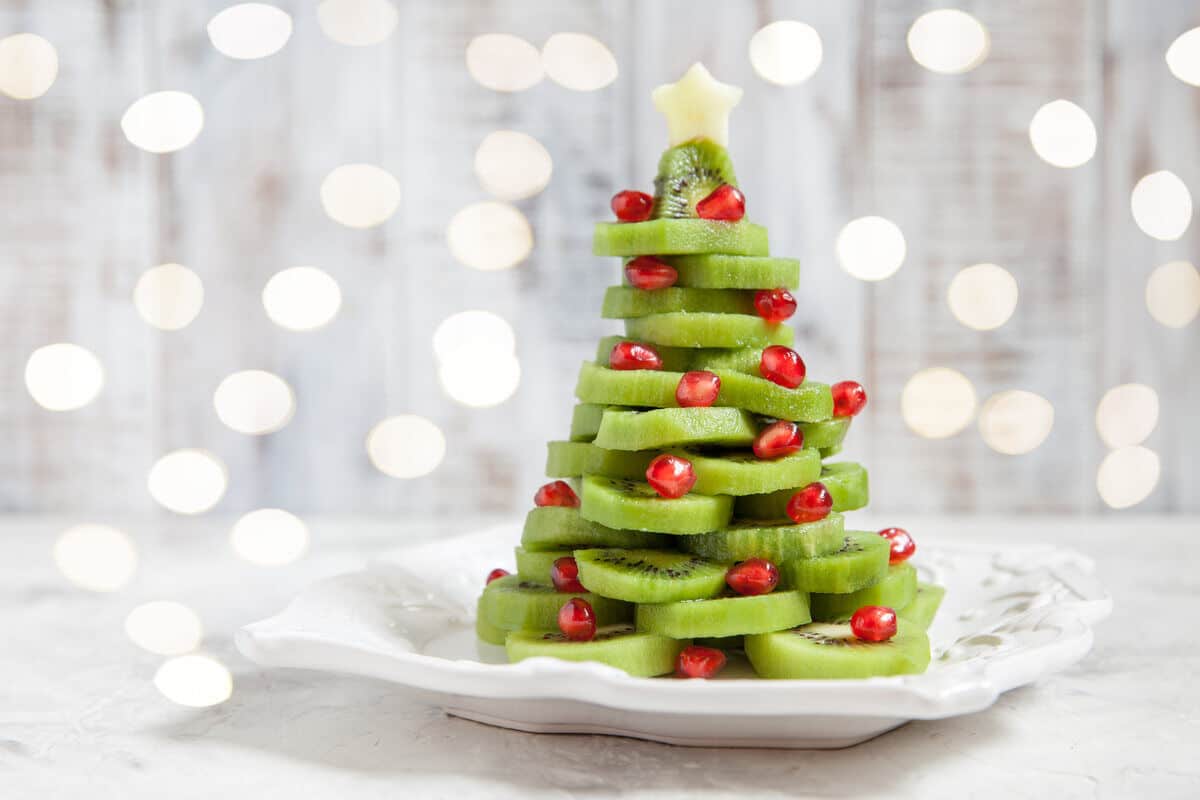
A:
[79,716]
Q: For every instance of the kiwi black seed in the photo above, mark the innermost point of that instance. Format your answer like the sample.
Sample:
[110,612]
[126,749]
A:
[687,174]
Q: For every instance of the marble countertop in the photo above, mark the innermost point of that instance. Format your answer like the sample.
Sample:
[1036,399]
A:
[80,716]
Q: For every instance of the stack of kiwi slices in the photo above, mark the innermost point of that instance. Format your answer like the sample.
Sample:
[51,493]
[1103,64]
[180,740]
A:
[694,514]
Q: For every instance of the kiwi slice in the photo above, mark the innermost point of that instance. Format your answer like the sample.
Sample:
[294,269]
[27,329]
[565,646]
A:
[679,237]
[775,542]
[574,459]
[622,429]
[831,650]
[717,271]
[685,359]
[861,561]
[725,616]
[486,631]
[808,402]
[623,302]
[826,433]
[635,506]
[685,329]
[827,452]
[895,590]
[562,528]
[534,565]
[924,606]
[512,604]
[688,173]
[585,422]
[640,654]
[650,576]
[846,482]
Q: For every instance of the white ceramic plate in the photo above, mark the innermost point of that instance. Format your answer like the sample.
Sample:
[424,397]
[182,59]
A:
[1010,616]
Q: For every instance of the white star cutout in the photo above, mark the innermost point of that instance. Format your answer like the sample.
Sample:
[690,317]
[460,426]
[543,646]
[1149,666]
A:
[697,106]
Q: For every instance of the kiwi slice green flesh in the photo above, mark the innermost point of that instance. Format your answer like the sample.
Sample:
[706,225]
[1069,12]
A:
[825,433]
[636,506]
[575,459]
[775,542]
[585,422]
[622,429]
[639,654]
[685,329]
[924,606]
[486,631]
[895,590]
[827,452]
[861,561]
[688,173]
[718,271]
[679,237]
[649,576]
[846,482]
[512,604]
[686,359]
[725,616]
[827,650]
[562,528]
[534,565]
[623,302]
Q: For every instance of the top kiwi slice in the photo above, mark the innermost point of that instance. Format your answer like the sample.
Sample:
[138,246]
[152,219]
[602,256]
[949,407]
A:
[687,174]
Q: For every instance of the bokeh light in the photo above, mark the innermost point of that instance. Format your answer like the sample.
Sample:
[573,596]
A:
[269,537]
[982,296]
[406,446]
[871,248]
[489,236]
[188,481]
[357,23]
[301,298]
[480,381]
[1161,205]
[578,61]
[504,62]
[196,681]
[1063,134]
[63,376]
[1173,294]
[1183,57]
[1127,476]
[360,195]
[250,30]
[1014,422]
[1127,414]
[168,296]
[28,66]
[512,165]
[163,122]
[786,52]
[255,402]
[948,41]
[164,627]
[480,332]
[938,402]
[96,557]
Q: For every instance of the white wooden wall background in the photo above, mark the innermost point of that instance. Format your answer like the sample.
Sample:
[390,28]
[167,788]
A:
[947,158]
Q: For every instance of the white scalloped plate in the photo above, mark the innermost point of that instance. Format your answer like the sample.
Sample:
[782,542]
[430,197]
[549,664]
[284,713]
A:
[1009,618]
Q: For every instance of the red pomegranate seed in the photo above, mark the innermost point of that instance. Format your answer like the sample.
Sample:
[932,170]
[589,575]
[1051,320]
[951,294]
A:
[810,504]
[849,397]
[631,206]
[647,272]
[752,576]
[725,203]
[778,439]
[633,355]
[699,388]
[699,662]
[774,305]
[874,623]
[903,545]
[556,493]
[564,574]
[671,476]
[782,365]
[577,620]
[496,574]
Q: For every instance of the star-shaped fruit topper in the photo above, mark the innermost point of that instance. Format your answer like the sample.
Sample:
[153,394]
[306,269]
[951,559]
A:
[697,106]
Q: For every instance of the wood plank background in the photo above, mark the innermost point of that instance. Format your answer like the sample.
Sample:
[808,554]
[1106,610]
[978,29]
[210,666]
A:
[84,213]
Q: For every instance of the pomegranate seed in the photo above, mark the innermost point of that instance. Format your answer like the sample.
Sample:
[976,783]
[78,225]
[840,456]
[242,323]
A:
[564,574]
[903,545]
[671,476]
[752,576]
[496,574]
[556,493]
[782,365]
[849,397]
[874,623]
[633,355]
[577,620]
[647,272]
[698,388]
[631,206]
[774,305]
[778,439]
[699,662]
[725,203]
[810,504]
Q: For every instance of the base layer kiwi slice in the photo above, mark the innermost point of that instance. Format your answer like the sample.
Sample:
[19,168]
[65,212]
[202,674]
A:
[625,302]
[639,654]
[924,606]
[684,329]
[779,543]
[846,482]
[678,237]
[636,506]
[625,429]
[512,604]
[534,565]
[825,650]
[688,173]
[861,561]
[896,590]
[650,576]
[486,631]
[562,528]
[686,359]
[716,271]
[725,616]
[585,422]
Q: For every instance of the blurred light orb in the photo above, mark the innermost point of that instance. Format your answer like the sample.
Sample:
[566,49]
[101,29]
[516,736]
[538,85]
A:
[1183,57]
[360,195]
[982,296]
[473,332]
[1173,294]
[579,62]
[163,122]
[63,376]
[1161,205]
[250,30]
[28,66]
[490,236]
[948,41]
[512,165]
[1062,134]
[786,52]
[1127,414]
[871,248]
[301,298]
[164,627]
[269,537]
[1015,422]
[357,23]
[938,402]
[195,681]
[188,481]
[255,402]
[96,557]
[480,380]
[1127,476]
[168,296]
[504,62]
[406,446]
